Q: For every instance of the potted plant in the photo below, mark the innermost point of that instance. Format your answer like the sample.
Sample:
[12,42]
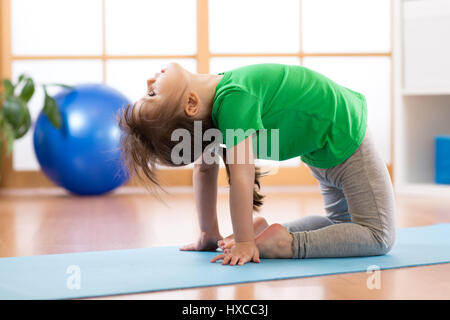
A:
[15,119]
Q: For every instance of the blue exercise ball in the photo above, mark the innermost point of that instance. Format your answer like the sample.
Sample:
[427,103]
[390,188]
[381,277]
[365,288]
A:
[83,155]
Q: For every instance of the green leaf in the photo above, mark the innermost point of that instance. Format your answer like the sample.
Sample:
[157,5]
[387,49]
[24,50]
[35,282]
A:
[21,77]
[51,110]
[14,109]
[27,90]
[9,88]
[23,129]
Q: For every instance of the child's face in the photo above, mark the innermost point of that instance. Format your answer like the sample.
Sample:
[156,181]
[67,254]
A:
[166,87]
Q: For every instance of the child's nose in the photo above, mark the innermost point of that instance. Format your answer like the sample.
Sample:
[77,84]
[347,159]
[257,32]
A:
[150,81]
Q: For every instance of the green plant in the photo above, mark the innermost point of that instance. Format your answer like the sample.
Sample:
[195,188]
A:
[15,119]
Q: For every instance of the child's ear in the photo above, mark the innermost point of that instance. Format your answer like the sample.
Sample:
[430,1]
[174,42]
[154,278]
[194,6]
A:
[192,106]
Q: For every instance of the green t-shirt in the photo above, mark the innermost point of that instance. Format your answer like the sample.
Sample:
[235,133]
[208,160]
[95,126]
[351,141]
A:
[316,118]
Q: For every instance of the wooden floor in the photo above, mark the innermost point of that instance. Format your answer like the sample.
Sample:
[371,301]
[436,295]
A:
[41,223]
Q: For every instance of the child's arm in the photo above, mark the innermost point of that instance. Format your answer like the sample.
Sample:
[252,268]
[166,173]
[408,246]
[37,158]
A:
[205,192]
[241,165]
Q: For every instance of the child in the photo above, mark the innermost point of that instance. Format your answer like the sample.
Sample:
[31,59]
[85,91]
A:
[313,117]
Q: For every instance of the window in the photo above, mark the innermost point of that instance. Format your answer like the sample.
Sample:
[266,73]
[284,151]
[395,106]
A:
[121,42]
[118,42]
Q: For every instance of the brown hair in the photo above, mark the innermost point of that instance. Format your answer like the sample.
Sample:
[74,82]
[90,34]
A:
[146,143]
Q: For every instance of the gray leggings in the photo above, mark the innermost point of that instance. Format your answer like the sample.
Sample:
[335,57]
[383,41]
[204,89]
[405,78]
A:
[360,209]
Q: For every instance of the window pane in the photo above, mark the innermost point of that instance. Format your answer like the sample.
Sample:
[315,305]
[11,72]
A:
[138,27]
[254,26]
[217,65]
[369,76]
[346,25]
[61,71]
[53,27]
[130,76]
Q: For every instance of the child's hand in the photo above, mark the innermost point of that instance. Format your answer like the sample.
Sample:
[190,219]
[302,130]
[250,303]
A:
[240,253]
[206,242]
[225,243]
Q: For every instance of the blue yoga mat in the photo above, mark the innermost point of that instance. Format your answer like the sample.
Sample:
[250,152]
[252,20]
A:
[102,273]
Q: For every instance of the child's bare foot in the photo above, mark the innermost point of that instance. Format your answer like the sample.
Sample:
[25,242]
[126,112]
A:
[275,242]
[259,225]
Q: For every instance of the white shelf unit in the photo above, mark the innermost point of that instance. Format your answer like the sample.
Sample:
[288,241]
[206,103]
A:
[421,55]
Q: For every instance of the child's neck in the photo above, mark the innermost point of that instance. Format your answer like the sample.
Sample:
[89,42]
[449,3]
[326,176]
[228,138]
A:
[205,86]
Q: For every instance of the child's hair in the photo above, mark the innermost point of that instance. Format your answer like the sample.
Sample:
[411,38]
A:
[146,143]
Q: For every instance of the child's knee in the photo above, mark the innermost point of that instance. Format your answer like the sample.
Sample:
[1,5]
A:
[386,240]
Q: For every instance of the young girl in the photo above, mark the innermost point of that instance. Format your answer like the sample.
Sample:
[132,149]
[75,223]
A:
[315,118]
